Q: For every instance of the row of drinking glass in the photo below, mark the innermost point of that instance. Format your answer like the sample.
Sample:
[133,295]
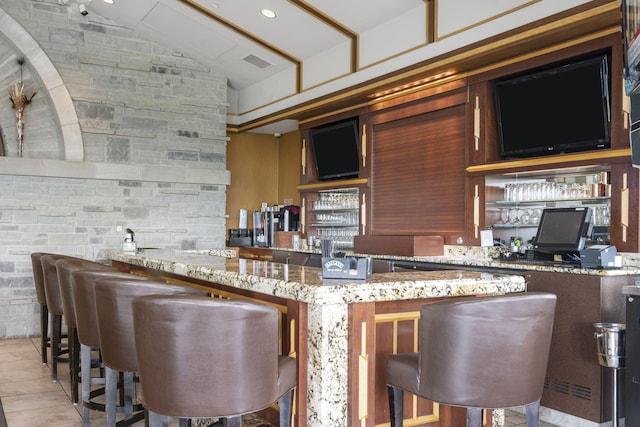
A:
[336,200]
[547,191]
[515,216]
[345,218]
[329,233]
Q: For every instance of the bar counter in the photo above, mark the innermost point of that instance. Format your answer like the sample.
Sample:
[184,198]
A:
[339,330]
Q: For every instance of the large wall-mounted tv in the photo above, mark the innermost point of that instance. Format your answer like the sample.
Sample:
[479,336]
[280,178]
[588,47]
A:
[561,109]
[336,149]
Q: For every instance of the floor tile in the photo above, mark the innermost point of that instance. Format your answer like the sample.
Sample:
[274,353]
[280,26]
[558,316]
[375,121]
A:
[30,398]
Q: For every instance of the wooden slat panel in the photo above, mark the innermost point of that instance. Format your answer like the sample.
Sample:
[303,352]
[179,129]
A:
[414,160]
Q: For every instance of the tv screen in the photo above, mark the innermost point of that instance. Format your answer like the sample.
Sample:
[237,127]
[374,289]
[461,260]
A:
[336,149]
[563,230]
[558,110]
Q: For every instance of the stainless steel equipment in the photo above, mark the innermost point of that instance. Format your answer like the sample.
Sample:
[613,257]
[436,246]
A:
[610,340]
[632,355]
[272,219]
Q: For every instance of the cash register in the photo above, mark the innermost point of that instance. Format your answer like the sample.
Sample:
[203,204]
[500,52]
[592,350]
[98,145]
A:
[562,238]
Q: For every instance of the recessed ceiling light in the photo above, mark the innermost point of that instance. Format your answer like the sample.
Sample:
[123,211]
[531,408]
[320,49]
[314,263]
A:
[109,1]
[267,13]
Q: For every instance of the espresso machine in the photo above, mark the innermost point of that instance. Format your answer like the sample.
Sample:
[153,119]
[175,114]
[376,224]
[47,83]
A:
[272,219]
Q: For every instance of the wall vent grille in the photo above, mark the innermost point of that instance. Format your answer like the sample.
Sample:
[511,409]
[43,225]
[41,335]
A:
[257,61]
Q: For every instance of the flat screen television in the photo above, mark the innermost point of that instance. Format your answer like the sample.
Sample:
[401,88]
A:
[563,230]
[562,109]
[336,149]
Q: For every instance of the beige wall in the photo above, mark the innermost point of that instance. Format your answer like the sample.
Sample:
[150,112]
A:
[289,167]
[263,169]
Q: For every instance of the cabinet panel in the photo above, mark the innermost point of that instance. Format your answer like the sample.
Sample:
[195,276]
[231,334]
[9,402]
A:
[576,383]
[481,125]
[625,208]
[417,175]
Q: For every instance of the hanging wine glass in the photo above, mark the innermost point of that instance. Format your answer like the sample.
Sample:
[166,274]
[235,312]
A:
[504,216]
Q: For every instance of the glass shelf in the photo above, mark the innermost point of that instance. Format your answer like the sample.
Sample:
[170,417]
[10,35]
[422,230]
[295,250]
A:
[513,226]
[334,225]
[552,203]
[334,210]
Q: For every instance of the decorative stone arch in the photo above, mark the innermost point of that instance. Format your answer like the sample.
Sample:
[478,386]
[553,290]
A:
[71,145]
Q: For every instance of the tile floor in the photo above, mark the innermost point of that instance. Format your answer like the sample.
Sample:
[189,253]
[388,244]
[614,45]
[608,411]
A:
[30,399]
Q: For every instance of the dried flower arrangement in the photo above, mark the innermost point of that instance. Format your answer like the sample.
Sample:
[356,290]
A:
[20,98]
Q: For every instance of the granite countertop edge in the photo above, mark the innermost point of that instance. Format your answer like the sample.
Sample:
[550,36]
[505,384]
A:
[305,284]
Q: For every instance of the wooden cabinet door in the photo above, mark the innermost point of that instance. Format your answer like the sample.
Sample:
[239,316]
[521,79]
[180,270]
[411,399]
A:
[418,173]
[625,207]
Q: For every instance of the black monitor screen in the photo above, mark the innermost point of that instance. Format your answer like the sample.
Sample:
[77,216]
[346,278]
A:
[559,110]
[335,149]
[563,229]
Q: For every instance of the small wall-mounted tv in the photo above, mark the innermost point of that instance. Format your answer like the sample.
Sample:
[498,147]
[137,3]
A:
[561,109]
[336,149]
[563,230]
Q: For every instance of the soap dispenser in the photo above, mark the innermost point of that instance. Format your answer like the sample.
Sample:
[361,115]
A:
[129,245]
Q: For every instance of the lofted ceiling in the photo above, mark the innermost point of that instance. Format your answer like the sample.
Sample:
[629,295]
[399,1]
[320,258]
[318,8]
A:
[313,49]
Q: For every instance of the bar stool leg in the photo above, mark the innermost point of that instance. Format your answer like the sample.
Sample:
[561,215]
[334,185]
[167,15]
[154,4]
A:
[474,417]
[74,364]
[232,422]
[44,327]
[532,412]
[111,394]
[129,393]
[56,339]
[156,420]
[85,374]
[285,403]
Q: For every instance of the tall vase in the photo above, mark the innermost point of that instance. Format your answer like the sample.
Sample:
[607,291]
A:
[20,128]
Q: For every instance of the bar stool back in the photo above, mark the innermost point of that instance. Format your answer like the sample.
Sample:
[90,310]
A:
[38,280]
[54,306]
[238,342]
[115,326]
[477,352]
[87,327]
[64,268]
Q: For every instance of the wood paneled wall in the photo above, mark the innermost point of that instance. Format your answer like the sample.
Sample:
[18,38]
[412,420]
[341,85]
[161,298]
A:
[263,169]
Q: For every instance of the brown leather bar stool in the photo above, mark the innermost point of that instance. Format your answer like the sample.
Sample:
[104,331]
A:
[38,281]
[117,343]
[64,268]
[477,352]
[88,336]
[54,306]
[205,357]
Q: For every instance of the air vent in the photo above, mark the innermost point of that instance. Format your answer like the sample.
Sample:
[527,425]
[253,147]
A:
[559,386]
[257,61]
[582,392]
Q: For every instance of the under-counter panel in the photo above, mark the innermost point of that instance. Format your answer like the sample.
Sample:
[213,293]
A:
[576,384]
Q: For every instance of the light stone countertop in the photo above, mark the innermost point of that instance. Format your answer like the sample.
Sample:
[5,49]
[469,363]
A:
[327,334]
[306,284]
[488,257]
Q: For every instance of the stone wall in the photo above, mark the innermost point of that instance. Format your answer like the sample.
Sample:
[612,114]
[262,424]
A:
[140,107]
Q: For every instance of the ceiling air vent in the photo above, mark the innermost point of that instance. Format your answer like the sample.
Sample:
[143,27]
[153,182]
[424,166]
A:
[257,61]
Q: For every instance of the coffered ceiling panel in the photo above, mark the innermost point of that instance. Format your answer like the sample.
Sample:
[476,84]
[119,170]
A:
[312,48]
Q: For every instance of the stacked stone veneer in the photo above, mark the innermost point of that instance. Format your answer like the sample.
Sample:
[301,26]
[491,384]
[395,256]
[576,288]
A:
[140,106]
